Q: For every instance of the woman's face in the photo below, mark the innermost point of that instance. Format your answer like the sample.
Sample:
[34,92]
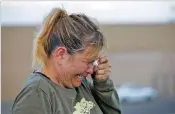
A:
[77,66]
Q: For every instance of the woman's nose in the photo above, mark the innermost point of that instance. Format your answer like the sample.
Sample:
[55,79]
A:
[90,69]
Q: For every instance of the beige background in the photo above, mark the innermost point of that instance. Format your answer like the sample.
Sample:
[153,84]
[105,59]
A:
[138,53]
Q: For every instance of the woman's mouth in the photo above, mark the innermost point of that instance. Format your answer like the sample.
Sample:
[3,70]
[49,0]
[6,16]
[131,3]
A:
[79,77]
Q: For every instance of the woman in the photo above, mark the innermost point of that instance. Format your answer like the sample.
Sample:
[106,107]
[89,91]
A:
[65,50]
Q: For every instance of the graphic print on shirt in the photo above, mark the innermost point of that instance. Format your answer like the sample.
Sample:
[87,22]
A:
[83,107]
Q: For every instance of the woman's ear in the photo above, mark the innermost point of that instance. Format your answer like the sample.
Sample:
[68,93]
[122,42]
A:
[61,53]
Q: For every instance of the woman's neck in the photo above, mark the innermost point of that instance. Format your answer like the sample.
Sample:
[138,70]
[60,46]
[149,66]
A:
[52,73]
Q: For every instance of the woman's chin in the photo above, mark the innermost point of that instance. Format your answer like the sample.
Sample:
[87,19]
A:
[76,81]
[76,84]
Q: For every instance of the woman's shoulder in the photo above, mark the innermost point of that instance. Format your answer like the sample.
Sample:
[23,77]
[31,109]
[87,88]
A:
[37,81]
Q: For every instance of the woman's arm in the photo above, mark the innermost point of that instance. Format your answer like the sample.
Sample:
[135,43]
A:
[106,96]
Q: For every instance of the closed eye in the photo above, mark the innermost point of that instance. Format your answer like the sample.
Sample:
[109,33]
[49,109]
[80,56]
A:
[89,62]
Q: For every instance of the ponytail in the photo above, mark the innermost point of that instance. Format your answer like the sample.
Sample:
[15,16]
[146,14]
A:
[40,43]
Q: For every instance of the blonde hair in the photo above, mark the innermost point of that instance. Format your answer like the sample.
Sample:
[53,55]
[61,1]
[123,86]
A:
[75,32]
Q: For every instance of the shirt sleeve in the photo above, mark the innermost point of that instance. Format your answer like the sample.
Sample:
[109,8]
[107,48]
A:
[106,96]
[32,101]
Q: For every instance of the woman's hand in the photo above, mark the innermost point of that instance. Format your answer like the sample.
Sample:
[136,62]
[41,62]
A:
[102,71]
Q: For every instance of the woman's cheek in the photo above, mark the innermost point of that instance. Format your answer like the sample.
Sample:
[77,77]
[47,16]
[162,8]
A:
[83,68]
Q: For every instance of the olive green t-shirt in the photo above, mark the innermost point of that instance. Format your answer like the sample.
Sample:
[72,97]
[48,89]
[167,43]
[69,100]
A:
[42,96]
